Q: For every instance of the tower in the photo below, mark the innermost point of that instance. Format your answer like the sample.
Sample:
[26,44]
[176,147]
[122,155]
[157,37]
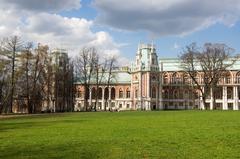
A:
[145,78]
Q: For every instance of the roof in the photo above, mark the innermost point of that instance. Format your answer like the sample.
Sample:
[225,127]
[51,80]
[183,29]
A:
[118,77]
[174,64]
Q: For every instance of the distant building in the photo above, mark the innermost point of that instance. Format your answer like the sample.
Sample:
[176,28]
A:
[61,91]
[57,92]
[157,84]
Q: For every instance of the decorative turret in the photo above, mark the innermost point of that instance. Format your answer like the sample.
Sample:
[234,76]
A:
[146,58]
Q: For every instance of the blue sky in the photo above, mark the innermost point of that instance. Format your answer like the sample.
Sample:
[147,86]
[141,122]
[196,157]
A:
[116,29]
[167,46]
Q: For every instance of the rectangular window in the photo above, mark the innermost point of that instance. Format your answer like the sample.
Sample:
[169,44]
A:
[120,105]
[128,105]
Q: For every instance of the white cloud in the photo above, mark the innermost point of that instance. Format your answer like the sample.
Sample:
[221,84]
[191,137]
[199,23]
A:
[37,21]
[69,33]
[167,17]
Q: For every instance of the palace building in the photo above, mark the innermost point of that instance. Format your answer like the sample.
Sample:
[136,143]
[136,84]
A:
[157,84]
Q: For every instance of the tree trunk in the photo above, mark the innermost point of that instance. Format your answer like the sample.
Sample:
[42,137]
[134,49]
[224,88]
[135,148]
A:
[13,77]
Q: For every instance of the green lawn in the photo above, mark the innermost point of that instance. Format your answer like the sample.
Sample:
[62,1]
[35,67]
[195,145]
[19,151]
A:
[162,134]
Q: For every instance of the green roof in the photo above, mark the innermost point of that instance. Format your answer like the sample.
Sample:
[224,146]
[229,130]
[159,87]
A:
[174,64]
[118,77]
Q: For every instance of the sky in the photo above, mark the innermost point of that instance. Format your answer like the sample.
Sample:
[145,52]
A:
[117,27]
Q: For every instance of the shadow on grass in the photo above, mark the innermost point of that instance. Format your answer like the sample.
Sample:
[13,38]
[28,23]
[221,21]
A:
[57,150]
[26,124]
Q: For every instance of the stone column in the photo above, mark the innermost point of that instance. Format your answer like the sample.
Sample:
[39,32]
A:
[109,98]
[149,91]
[131,93]
[161,88]
[148,86]
[103,91]
[211,99]
[90,96]
[157,97]
[224,103]
[201,100]
[148,106]
[235,97]
[140,90]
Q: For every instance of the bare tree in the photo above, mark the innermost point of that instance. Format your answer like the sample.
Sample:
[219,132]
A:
[5,76]
[84,68]
[99,72]
[110,66]
[49,80]
[11,46]
[70,87]
[212,61]
[23,73]
[37,91]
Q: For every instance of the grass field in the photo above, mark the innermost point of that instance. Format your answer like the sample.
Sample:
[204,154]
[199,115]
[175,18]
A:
[162,134]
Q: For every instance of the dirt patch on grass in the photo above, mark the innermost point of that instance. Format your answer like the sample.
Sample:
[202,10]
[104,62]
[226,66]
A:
[18,115]
[8,116]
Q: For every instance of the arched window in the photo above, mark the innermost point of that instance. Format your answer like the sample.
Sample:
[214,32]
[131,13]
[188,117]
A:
[154,92]
[154,78]
[186,94]
[113,93]
[93,93]
[79,94]
[238,78]
[99,93]
[87,93]
[180,94]
[175,94]
[218,93]
[136,77]
[170,94]
[153,61]
[229,93]
[175,78]
[106,93]
[165,78]
[186,79]
[120,93]
[128,93]
[228,78]
[165,95]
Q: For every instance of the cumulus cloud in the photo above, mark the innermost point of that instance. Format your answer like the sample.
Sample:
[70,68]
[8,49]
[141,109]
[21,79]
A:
[38,21]
[69,33]
[167,17]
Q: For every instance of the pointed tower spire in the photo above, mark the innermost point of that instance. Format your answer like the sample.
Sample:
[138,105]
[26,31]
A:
[139,47]
[152,47]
